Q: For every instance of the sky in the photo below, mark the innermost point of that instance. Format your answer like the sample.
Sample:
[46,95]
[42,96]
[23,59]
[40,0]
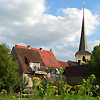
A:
[49,24]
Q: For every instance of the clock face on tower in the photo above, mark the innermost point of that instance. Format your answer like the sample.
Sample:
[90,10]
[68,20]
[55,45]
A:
[79,56]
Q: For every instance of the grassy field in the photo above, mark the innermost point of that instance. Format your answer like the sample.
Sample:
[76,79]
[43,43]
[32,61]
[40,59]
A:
[70,97]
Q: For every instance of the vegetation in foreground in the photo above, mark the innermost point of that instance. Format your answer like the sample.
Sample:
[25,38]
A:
[57,91]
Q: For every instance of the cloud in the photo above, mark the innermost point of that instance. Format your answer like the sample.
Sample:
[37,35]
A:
[25,22]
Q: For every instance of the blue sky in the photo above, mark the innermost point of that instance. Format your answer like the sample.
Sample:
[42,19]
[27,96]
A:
[49,24]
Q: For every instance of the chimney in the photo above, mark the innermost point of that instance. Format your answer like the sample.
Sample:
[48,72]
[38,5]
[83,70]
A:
[29,47]
[79,62]
[41,49]
[51,50]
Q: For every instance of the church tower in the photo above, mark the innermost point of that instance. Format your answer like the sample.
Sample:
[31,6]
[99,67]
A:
[83,54]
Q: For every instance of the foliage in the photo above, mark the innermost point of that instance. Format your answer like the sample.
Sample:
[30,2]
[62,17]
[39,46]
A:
[25,91]
[3,92]
[66,89]
[8,76]
[61,70]
[49,91]
[94,63]
[87,87]
[36,82]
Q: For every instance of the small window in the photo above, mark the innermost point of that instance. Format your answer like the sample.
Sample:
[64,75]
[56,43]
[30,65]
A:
[52,61]
[83,58]
[32,66]
[36,64]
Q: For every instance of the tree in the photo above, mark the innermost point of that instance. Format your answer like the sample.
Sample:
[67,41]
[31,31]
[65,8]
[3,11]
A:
[8,76]
[94,62]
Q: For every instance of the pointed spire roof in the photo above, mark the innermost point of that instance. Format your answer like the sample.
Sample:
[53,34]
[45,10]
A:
[83,42]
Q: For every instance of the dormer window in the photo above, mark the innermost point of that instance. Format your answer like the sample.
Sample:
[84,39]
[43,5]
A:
[52,61]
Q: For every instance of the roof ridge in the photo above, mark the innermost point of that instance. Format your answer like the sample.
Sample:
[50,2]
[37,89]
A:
[30,48]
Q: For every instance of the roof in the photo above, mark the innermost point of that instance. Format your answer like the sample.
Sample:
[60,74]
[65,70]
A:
[45,55]
[63,64]
[83,42]
[24,55]
[73,63]
[83,52]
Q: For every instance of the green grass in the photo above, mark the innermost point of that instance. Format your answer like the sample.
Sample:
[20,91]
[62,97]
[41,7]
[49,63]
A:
[70,97]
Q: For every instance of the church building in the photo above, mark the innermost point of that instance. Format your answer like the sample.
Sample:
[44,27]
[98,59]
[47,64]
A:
[82,55]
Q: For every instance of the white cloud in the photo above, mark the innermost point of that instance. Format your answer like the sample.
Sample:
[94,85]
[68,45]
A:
[24,22]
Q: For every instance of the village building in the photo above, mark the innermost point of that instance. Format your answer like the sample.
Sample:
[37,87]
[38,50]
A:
[43,63]
[32,61]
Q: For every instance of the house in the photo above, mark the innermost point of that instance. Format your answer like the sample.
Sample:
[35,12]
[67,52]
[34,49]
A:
[33,61]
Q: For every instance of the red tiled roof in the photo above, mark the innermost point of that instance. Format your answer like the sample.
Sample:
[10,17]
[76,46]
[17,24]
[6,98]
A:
[45,55]
[23,54]
[63,64]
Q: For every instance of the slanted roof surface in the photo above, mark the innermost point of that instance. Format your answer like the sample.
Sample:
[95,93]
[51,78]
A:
[83,52]
[45,55]
[73,63]
[63,64]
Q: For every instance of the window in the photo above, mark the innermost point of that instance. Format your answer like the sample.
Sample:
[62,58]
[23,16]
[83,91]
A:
[83,58]
[32,66]
[36,64]
[79,56]
[52,61]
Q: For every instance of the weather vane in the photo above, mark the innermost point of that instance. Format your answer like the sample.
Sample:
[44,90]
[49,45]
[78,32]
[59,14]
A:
[83,4]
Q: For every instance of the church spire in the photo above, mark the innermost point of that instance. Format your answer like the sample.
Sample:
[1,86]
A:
[83,42]
[83,54]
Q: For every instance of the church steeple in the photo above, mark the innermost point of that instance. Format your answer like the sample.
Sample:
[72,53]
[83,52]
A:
[83,54]
[83,42]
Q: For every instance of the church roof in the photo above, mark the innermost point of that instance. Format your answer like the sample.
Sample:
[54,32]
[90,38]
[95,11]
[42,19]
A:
[83,52]
[83,43]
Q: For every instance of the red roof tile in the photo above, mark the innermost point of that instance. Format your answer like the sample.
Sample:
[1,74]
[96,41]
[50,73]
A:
[63,64]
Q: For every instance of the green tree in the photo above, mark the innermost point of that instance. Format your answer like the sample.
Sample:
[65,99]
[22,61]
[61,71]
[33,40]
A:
[94,62]
[8,76]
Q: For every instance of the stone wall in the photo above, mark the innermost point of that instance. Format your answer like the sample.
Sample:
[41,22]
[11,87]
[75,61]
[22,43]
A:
[28,78]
